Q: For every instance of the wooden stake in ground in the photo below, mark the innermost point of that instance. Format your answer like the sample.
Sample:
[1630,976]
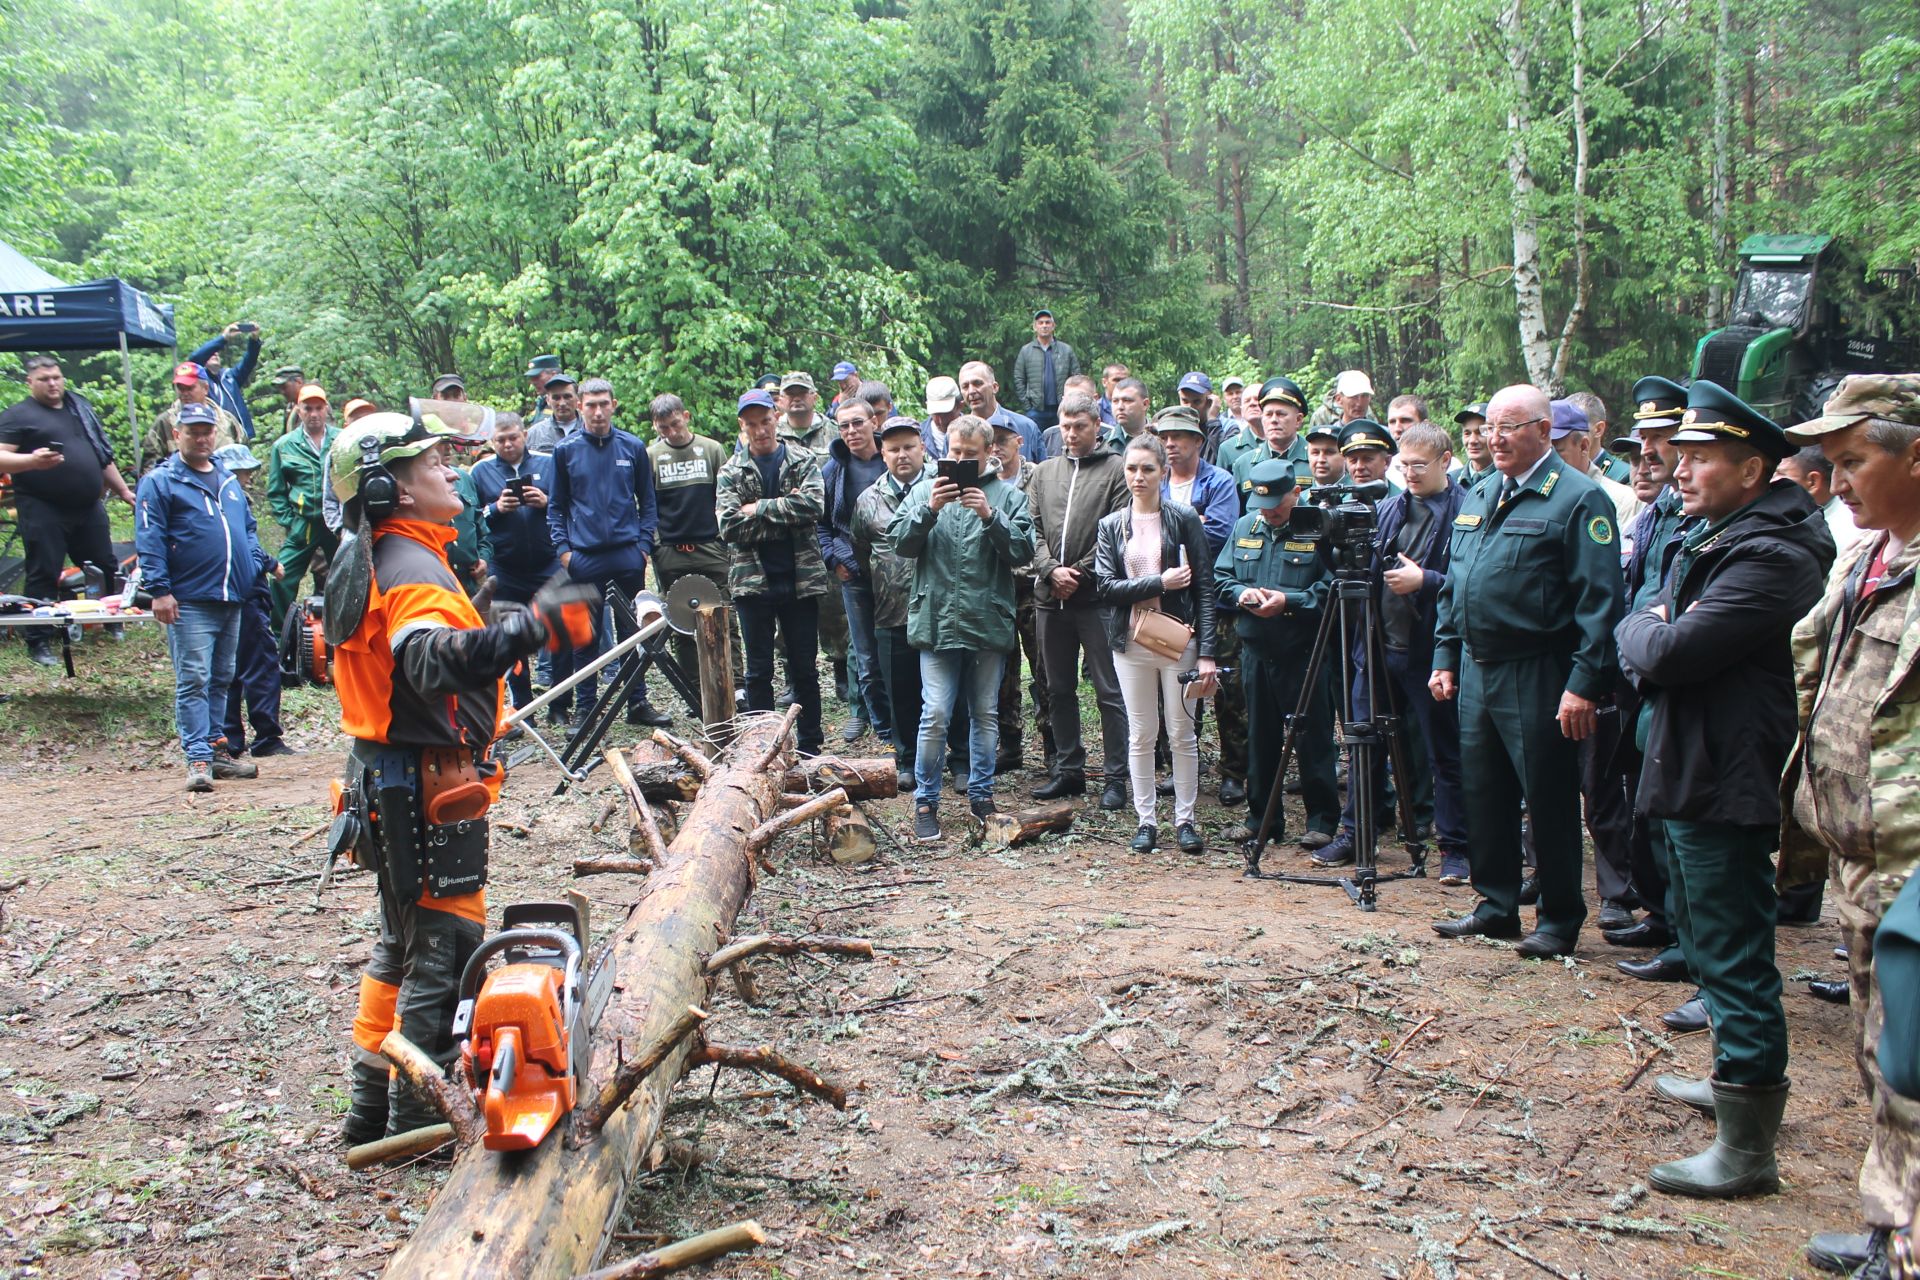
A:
[1015,828]
[545,1214]
[713,635]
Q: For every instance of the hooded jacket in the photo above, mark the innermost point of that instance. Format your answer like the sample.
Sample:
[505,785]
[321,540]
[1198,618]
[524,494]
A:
[195,534]
[962,595]
[1068,497]
[1719,675]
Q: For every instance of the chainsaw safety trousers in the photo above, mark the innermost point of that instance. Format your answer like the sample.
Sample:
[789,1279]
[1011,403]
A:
[425,958]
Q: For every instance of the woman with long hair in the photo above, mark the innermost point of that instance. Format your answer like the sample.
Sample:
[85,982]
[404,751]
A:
[1152,556]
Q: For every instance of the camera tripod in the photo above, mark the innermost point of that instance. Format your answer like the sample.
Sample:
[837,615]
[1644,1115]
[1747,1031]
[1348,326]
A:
[1351,611]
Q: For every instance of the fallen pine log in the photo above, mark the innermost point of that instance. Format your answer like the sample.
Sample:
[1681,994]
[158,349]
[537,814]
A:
[547,1212]
[863,779]
[1015,828]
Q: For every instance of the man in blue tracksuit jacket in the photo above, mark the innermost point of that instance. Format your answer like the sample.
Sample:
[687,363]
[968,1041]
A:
[199,557]
[229,389]
[515,488]
[602,514]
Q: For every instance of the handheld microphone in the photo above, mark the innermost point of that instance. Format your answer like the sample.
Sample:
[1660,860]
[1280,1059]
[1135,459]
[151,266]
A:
[1188,677]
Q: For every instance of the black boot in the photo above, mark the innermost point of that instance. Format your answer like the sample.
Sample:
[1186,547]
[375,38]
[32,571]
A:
[366,1117]
[1062,784]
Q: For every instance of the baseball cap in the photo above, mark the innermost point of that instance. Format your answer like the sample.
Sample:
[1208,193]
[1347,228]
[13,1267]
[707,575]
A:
[1232,380]
[845,369]
[1892,396]
[943,395]
[798,378]
[197,413]
[561,378]
[288,373]
[186,373]
[1353,383]
[312,391]
[1478,409]
[1196,381]
[355,406]
[447,381]
[1043,312]
[235,457]
[1177,417]
[1568,418]
[897,424]
[755,397]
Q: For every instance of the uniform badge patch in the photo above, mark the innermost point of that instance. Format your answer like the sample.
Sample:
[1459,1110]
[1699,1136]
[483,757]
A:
[1470,520]
[1600,529]
[1252,544]
[1298,546]
[1546,490]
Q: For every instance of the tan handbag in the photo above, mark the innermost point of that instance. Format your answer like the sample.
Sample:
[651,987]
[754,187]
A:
[1161,634]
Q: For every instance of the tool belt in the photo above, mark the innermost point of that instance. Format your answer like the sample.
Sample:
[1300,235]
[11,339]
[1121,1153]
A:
[417,818]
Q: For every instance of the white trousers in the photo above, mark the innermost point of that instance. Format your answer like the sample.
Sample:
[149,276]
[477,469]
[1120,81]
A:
[1146,679]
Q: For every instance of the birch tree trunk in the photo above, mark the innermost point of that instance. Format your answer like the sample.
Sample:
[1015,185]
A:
[1721,178]
[1528,291]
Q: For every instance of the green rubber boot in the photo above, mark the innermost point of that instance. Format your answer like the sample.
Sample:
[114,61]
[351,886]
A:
[1697,1094]
[1740,1161]
[366,1117]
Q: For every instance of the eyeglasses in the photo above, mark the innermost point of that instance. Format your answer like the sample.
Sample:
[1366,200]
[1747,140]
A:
[1508,428]
[1417,468]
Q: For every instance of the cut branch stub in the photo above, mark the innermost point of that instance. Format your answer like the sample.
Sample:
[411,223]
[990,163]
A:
[682,1254]
[774,944]
[686,751]
[764,1060]
[427,1079]
[589,1116]
[763,834]
[611,866]
[400,1146]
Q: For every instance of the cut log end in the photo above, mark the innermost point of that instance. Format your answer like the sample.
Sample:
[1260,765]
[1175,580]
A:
[850,838]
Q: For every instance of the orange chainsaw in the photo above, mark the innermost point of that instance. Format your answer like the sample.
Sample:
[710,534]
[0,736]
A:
[524,1026]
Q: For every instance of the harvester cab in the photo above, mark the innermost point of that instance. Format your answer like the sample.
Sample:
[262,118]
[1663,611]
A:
[1799,321]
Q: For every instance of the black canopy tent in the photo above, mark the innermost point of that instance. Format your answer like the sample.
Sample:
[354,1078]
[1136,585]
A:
[38,312]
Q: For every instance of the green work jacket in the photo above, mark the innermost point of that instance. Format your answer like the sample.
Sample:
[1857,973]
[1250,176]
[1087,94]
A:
[1258,554]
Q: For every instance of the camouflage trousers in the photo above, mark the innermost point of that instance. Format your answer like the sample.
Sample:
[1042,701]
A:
[1230,703]
[1890,1174]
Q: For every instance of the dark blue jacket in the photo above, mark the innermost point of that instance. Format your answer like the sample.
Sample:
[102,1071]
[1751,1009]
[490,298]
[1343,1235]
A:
[1436,558]
[1216,498]
[602,504]
[195,534]
[230,391]
[520,539]
[835,525]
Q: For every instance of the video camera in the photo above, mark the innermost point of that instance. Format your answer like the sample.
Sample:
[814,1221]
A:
[1341,518]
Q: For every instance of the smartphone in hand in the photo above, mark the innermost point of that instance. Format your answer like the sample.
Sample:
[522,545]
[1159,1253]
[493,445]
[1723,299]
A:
[965,473]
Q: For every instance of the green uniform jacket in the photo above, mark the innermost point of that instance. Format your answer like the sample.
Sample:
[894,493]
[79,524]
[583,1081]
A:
[470,544]
[1538,576]
[793,514]
[891,574]
[1251,457]
[294,479]
[1242,441]
[962,596]
[1859,707]
[1259,555]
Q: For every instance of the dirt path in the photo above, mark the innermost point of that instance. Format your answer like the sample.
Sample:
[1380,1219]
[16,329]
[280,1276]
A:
[1065,1060]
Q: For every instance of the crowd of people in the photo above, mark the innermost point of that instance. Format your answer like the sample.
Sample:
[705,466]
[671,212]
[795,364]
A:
[1690,629]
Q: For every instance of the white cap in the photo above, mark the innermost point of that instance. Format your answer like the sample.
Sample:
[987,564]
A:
[943,395]
[1353,383]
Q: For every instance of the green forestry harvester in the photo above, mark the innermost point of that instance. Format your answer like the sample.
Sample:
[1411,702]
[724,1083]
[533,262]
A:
[1800,321]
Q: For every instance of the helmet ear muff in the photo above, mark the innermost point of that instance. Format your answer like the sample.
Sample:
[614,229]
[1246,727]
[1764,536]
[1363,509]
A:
[379,491]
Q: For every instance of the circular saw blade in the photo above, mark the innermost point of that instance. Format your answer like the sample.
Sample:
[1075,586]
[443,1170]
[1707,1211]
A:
[686,597]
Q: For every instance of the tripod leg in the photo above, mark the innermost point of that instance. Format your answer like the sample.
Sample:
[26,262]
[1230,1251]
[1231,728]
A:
[1276,793]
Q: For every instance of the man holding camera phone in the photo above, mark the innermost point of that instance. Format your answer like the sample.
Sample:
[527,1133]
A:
[513,486]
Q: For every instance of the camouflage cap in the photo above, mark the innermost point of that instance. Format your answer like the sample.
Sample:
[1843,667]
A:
[1893,396]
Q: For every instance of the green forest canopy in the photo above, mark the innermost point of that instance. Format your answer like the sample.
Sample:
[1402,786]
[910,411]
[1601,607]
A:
[680,195]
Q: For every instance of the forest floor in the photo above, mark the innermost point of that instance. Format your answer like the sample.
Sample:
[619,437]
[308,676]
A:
[1066,1059]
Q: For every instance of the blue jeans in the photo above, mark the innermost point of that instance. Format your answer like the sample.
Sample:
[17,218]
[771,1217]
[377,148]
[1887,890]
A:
[870,692]
[203,642]
[944,675]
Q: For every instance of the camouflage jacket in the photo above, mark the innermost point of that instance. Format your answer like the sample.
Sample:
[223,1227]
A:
[1852,788]
[890,572]
[158,445]
[791,514]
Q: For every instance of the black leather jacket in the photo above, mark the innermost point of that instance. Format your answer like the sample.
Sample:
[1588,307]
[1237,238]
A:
[1180,527]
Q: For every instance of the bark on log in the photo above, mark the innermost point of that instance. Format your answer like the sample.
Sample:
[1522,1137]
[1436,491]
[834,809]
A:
[414,1142]
[611,866]
[863,779]
[682,1254]
[1014,828]
[850,837]
[545,1214]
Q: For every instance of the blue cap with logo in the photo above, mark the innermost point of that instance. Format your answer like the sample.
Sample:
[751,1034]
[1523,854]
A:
[197,413]
[755,397]
[845,369]
[1197,381]
[1568,418]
